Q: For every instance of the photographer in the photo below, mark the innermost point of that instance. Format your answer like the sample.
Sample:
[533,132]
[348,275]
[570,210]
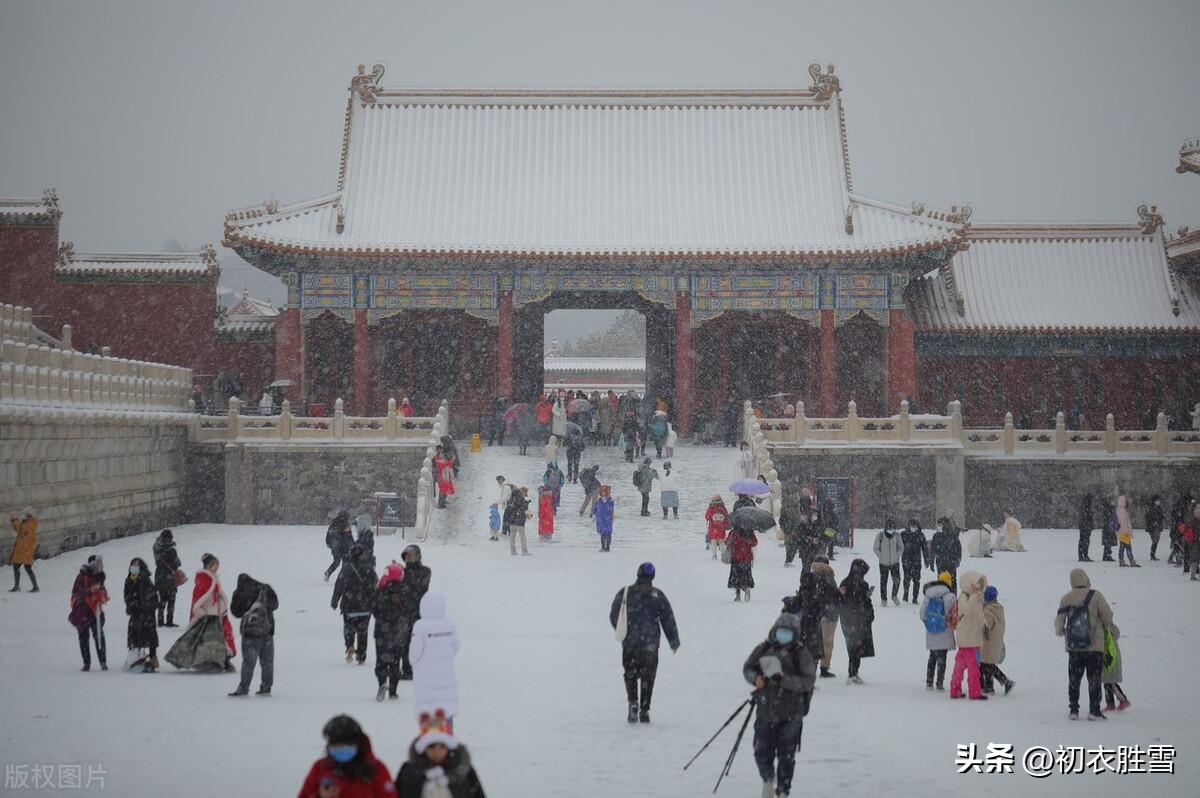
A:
[783,674]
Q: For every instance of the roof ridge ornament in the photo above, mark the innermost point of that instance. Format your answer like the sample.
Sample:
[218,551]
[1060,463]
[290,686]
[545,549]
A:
[66,254]
[824,84]
[50,200]
[1149,218]
[365,85]
[209,255]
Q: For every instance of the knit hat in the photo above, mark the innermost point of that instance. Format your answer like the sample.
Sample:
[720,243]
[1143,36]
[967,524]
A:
[435,729]
[944,578]
[393,572]
[646,570]
[990,594]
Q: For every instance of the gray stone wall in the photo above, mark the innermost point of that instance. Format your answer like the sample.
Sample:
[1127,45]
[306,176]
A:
[277,483]
[204,486]
[90,482]
[1045,492]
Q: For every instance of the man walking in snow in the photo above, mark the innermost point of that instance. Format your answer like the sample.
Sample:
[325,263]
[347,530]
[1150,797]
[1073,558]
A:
[1083,616]
[643,480]
[638,613]
[946,550]
[889,549]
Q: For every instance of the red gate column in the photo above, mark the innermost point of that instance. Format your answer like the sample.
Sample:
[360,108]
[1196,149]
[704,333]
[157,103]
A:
[901,360]
[289,354]
[504,347]
[359,400]
[683,362]
[828,358]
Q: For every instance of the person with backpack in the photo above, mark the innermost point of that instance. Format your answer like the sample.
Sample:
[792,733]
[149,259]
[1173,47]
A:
[1114,665]
[992,652]
[889,549]
[1083,617]
[967,620]
[591,487]
[783,675]
[638,613]
[604,511]
[339,539]
[255,603]
[857,613]
[946,549]
[353,594]
[1086,525]
[717,518]
[914,557]
[643,480]
[365,538]
[166,565]
[1125,533]
[515,516]
[1153,524]
[815,598]
[1108,537]
[938,605]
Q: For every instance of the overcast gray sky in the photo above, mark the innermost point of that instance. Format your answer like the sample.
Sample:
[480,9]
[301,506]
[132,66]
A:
[153,118]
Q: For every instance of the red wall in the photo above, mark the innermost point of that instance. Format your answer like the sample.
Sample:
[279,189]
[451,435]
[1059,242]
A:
[26,268]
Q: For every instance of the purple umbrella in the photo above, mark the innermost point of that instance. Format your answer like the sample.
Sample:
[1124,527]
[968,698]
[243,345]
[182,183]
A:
[750,487]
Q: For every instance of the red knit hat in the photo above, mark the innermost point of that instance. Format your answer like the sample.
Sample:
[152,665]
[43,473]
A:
[394,572]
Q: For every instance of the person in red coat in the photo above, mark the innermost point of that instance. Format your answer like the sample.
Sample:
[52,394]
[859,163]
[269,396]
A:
[88,597]
[717,516]
[349,768]
[545,514]
[443,471]
[741,543]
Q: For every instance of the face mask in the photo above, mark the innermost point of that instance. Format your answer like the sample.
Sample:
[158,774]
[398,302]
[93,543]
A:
[134,570]
[343,753]
[784,636]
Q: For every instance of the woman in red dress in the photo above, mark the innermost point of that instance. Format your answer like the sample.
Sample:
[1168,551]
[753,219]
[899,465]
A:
[443,472]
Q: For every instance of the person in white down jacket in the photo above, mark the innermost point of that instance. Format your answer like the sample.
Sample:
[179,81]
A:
[434,646]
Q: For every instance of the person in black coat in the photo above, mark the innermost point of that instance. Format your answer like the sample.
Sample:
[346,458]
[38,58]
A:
[496,422]
[339,539]
[416,585]
[255,603]
[1153,524]
[392,627]
[591,487]
[647,610]
[629,429]
[857,615]
[353,593]
[364,538]
[1087,523]
[914,557]
[436,757]
[141,605]
[783,674]
[166,563]
[946,549]
[817,594]
[1179,515]
[1108,528]
[574,446]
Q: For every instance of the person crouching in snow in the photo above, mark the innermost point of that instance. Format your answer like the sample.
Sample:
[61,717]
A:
[604,511]
[968,634]
[545,515]
[434,646]
[992,653]
[857,614]
[1113,671]
[717,516]
[349,768]
[938,606]
[438,765]
[1010,534]
[392,627]
[783,674]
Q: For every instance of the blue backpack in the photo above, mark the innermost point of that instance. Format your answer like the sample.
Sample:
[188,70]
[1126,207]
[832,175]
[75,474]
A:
[935,615]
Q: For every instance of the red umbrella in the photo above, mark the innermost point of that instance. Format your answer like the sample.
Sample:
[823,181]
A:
[514,411]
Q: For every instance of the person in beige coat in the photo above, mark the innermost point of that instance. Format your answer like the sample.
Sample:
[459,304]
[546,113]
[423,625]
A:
[968,635]
[992,653]
[1084,658]
[1125,533]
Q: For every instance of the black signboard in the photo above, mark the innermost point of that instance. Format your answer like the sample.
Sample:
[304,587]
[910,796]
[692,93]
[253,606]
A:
[839,491]
[389,511]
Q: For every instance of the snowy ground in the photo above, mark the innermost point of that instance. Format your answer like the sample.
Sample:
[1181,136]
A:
[539,672]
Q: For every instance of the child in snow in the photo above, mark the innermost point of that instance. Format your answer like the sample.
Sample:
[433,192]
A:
[938,606]
[1113,666]
[545,514]
[717,516]
[603,511]
[438,765]
[992,652]
[494,521]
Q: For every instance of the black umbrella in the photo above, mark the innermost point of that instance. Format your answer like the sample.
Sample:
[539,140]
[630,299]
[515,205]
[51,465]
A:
[573,428]
[752,518]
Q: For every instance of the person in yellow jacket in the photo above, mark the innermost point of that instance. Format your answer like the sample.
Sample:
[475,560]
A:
[25,527]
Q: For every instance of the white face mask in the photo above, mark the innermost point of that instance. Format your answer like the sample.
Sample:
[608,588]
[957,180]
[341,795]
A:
[134,570]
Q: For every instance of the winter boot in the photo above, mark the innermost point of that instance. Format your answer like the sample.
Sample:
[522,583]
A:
[263,690]
[1096,716]
[1110,707]
[1124,705]
[1074,715]
[895,600]
[644,716]
[15,589]
[768,789]
[381,692]
[349,654]
[1008,686]
[827,674]
[239,693]
[633,714]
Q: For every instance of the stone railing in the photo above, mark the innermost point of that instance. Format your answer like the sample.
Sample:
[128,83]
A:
[904,429]
[338,428]
[753,434]
[35,378]
[426,484]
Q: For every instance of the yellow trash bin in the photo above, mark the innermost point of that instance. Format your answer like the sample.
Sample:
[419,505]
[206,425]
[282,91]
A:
[476,442]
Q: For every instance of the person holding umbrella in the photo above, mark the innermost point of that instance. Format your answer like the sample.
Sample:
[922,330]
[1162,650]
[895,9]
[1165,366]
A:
[741,542]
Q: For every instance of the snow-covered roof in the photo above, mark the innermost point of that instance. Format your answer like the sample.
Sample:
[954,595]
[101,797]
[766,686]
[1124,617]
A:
[1189,156]
[555,363]
[202,263]
[26,210]
[249,308]
[1058,278]
[551,172]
